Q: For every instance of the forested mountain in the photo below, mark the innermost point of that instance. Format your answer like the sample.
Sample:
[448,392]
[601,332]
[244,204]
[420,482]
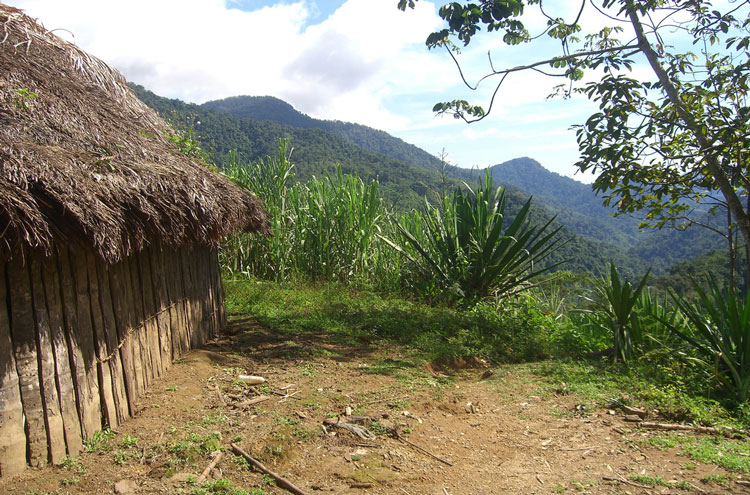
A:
[581,211]
[315,150]
[318,146]
[268,108]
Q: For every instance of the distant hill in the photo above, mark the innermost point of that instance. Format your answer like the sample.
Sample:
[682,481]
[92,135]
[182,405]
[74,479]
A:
[315,150]
[270,109]
[581,211]
[253,126]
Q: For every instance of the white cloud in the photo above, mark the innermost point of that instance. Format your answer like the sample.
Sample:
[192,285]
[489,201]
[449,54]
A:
[349,66]
[366,62]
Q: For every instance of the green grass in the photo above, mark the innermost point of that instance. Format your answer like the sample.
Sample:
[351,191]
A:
[733,455]
[99,441]
[129,441]
[362,323]
[719,479]
[648,479]
[355,317]
[224,487]
[608,385]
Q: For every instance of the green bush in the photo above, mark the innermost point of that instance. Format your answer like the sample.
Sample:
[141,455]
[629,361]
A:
[720,335]
[468,250]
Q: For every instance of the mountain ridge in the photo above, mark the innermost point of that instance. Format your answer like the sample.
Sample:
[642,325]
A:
[320,145]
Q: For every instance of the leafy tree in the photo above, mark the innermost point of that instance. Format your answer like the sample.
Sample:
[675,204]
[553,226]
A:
[664,146]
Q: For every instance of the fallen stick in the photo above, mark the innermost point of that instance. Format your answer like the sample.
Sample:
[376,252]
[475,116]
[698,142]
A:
[287,396]
[217,459]
[383,400]
[422,449]
[255,400]
[280,480]
[627,482]
[727,432]
[578,448]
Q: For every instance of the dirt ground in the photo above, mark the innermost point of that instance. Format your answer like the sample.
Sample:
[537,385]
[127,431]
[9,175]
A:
[479,434]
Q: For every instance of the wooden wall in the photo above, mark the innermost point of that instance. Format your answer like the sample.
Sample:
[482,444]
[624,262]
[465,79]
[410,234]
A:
[81,340]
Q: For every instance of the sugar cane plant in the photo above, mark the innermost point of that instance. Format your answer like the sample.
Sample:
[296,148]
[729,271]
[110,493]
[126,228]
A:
[324,229]
[271,180]
[471,249]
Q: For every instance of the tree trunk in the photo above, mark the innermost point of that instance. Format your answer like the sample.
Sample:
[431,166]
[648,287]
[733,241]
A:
[721,178]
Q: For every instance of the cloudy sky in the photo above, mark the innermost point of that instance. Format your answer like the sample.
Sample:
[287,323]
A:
[362,61]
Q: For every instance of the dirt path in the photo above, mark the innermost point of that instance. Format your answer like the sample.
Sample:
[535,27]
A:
[502,434]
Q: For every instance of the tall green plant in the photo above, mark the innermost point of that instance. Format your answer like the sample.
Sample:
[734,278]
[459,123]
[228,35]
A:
[337,220]
[324,229]
[470,249]
[271,180]
[617,307]
[721,335]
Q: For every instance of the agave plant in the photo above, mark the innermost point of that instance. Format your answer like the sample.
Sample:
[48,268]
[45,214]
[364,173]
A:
[721,334]
[616,310]
[470,248]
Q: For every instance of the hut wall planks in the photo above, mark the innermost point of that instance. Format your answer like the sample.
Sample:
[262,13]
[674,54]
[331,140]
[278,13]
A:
[82,339]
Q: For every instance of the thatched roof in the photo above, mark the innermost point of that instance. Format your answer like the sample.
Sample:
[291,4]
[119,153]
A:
[83,160]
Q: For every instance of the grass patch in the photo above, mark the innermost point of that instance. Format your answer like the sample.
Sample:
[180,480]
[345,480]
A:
[729,454]
[719,479]
[224,487]
[99,441]
[648,479]
[609,385]
[354,317]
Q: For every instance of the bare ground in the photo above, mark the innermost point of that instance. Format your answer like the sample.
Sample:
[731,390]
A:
[501,434]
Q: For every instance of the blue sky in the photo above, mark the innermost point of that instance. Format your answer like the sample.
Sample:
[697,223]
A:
[356,60]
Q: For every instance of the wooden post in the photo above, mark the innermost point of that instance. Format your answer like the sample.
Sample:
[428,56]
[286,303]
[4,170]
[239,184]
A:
[23,332]
[65,386]
[72,335]
[222,315]
[149,311]
[140,321]
[92,417]
[12,437]
[117,370]
[176,313]
[130,336]
[103,370]
[188,288]
[176,279]
[210,291]
[162,303]
[122,322]
[46,364]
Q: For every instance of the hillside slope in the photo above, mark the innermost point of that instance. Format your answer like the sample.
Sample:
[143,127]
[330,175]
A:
[270,109]
[594,237]
[581,211]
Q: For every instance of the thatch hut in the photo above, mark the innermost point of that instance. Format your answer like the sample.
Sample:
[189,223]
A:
[108,246]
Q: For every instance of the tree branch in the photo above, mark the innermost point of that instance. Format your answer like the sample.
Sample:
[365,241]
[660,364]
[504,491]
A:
[714,168]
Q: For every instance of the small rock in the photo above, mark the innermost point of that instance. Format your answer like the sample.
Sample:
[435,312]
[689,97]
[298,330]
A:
[486,374]
[125,487]
[300,414]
